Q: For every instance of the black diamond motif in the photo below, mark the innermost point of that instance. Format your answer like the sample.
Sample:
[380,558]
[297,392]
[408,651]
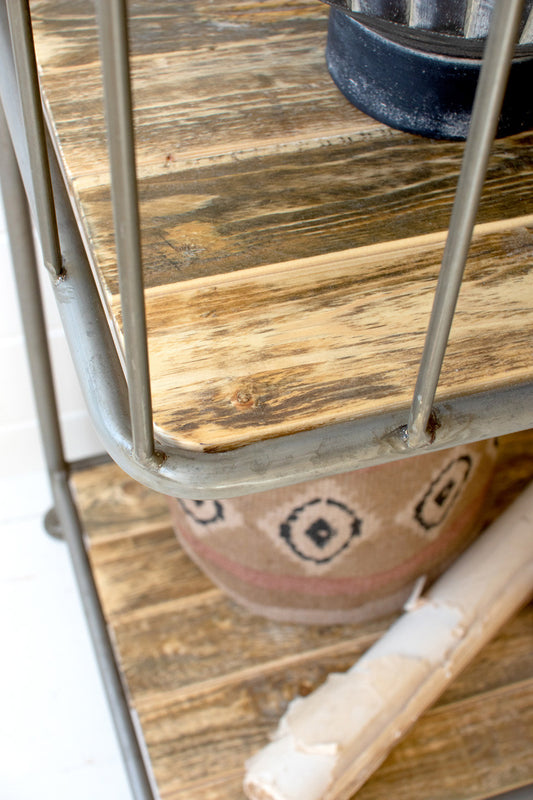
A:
[320,532]
[443,493]
[204,512]
[318,535]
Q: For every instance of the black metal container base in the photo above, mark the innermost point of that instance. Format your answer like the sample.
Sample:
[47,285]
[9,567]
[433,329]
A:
[414,89]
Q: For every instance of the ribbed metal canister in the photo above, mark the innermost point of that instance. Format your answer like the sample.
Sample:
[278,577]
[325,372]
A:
[468,19]
[414,64]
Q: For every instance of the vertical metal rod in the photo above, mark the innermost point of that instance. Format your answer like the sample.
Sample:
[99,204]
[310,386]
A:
[28,82]
[485,115]
[23,253]
[112,19]
[132,754]
[21,240]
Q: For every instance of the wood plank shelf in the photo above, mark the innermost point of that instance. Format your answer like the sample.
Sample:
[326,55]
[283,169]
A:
[291,244]
[209,680]
[291,249]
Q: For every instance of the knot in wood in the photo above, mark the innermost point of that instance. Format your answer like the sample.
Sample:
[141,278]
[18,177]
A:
[243,398]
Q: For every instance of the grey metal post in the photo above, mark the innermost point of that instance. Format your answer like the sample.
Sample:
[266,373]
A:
[21,242]
[29,92]
[485,115]
[112,25]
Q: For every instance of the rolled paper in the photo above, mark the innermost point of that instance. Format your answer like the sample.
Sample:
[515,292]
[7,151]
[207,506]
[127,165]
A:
[328,744]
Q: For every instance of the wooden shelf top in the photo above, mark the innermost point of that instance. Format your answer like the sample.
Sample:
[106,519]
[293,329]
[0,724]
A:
[291,244]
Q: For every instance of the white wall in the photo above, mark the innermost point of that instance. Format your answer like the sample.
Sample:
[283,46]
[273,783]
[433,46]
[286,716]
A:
[20,447]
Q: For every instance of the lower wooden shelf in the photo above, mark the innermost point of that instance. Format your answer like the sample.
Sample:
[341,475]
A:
[209,681]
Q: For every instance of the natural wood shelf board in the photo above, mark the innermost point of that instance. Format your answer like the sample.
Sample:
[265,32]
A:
[328,339]
[416,769]
[272,204]
[447,743]
[207,79]
[210,681]
[258,180]
[112,504]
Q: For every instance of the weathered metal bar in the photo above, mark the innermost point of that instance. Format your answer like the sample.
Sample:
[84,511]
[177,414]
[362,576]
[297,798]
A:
[30,96]
[135,762]
[21,239]
[485,115]
[256,467]
[20,232]
[112,19]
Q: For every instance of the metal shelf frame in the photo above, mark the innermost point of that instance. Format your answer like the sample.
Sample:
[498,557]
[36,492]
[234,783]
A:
[120,404]
[120,401]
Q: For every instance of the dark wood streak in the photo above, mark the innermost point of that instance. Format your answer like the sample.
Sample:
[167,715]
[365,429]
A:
[264,210]
[210,645]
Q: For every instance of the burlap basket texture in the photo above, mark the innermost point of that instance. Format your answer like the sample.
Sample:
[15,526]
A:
[341,549]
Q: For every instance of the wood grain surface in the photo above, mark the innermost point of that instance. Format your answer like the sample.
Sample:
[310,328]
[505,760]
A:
[210,681]
[332,338]
[291,244]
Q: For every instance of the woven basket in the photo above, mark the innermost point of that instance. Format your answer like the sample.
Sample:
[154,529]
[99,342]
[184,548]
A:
[340,549]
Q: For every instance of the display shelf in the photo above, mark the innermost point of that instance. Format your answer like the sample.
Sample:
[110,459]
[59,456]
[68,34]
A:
[209,681]
[291,244]
[291,250]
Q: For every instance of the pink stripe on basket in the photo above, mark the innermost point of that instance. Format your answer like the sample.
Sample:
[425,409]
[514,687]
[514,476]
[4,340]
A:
[331,586]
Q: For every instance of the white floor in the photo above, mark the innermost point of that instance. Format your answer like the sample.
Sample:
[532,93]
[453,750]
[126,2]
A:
[57,738]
